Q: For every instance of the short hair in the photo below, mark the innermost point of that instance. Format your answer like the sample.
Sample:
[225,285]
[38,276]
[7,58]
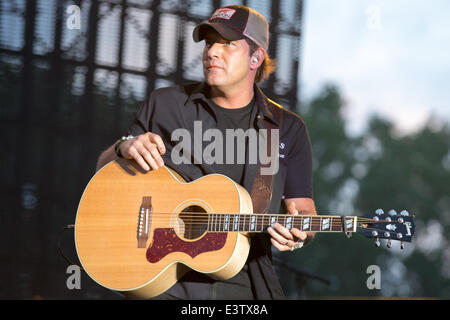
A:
[267,67]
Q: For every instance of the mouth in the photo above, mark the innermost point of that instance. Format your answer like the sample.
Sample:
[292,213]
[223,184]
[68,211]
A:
[213,67]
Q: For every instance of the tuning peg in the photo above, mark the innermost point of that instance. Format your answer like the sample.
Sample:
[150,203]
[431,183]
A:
[377,243]
[392,212]
[404,213]
[388,244]
[379,212]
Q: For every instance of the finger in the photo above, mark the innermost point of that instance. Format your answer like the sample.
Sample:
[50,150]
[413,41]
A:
[284,232]
[299,234]
[292,209]
[279,238]
[139,159]
[153,150]
[279,246]
[148,158]
[142,151]
[159,143]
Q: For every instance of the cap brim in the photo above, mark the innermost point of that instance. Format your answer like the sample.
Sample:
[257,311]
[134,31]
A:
[226,32]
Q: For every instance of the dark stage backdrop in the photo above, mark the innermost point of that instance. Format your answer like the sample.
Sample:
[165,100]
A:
[72,74]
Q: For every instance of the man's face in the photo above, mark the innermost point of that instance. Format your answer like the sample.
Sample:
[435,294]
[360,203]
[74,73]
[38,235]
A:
[225,62]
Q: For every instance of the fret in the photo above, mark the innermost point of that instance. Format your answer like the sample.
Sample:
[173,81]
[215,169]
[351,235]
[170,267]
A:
[315,224]
[288,222]
[252,223]
[246,222]
[306,223]
[227,221]
[273,220]
[337,224]
[217,223]
[325,224]
[241,222]
[350,224]
[297,222]
[262,223]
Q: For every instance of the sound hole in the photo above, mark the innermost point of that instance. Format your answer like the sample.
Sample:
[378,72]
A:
[192,222]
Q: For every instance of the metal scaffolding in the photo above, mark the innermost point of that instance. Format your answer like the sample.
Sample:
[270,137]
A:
[67,93]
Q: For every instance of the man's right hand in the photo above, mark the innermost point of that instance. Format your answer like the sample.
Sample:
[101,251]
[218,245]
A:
[146,149]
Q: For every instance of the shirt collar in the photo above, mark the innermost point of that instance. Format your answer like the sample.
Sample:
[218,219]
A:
[264,104]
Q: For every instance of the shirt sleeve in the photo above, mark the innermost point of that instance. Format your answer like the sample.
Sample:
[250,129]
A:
[142,118]
[299,164]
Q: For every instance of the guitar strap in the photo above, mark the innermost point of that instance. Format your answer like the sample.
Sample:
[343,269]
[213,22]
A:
[261,193]
[265,283]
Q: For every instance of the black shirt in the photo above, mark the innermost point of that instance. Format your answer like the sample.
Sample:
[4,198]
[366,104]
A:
[172,108]
[232,119]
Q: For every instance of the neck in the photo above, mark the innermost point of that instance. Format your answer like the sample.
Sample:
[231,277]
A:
[223,222]
[232,98]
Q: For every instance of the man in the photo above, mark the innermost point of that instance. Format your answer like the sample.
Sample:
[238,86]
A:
[234,58]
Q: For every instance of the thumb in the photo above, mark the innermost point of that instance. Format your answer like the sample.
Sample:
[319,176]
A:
[292,209]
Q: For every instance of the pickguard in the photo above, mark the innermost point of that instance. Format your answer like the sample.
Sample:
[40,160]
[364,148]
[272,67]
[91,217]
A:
[166,241]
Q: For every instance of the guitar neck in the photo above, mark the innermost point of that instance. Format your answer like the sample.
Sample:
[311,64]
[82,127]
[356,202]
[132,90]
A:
[224,222]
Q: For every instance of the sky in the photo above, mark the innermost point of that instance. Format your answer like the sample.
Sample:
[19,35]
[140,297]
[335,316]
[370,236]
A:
[390,58]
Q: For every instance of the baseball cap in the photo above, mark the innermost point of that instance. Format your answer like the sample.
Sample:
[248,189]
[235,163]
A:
[234,23]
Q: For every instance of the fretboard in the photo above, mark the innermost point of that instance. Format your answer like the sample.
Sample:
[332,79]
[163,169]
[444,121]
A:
[223,222]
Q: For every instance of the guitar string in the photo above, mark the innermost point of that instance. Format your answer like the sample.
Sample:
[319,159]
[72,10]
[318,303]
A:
[205,214]
[340,230]
[247,222]
[244,220]
[161,216]
[169,215]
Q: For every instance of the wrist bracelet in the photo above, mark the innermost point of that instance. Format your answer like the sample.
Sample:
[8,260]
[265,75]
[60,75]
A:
[117,146]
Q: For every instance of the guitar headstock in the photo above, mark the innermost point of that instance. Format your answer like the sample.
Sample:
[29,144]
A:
[392,226]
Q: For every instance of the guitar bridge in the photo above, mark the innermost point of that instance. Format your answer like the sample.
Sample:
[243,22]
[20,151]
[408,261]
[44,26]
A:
[144,222]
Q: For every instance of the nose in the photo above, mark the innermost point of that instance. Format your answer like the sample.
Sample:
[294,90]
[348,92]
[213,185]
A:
[214,50]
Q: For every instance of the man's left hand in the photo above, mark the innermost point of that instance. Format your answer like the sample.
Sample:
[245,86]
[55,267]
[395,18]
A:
[285,239]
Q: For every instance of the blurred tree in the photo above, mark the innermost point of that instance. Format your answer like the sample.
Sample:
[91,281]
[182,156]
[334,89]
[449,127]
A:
[411,172]
[355,176]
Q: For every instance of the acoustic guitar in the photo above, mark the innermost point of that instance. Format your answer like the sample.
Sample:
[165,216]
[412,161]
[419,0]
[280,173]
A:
[139,232]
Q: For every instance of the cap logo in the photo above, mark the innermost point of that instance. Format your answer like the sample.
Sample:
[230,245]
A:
[223,13]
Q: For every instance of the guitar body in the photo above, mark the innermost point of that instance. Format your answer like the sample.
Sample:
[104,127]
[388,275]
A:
[133,232]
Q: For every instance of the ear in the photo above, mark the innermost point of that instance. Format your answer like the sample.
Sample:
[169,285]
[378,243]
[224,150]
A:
[257,58]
